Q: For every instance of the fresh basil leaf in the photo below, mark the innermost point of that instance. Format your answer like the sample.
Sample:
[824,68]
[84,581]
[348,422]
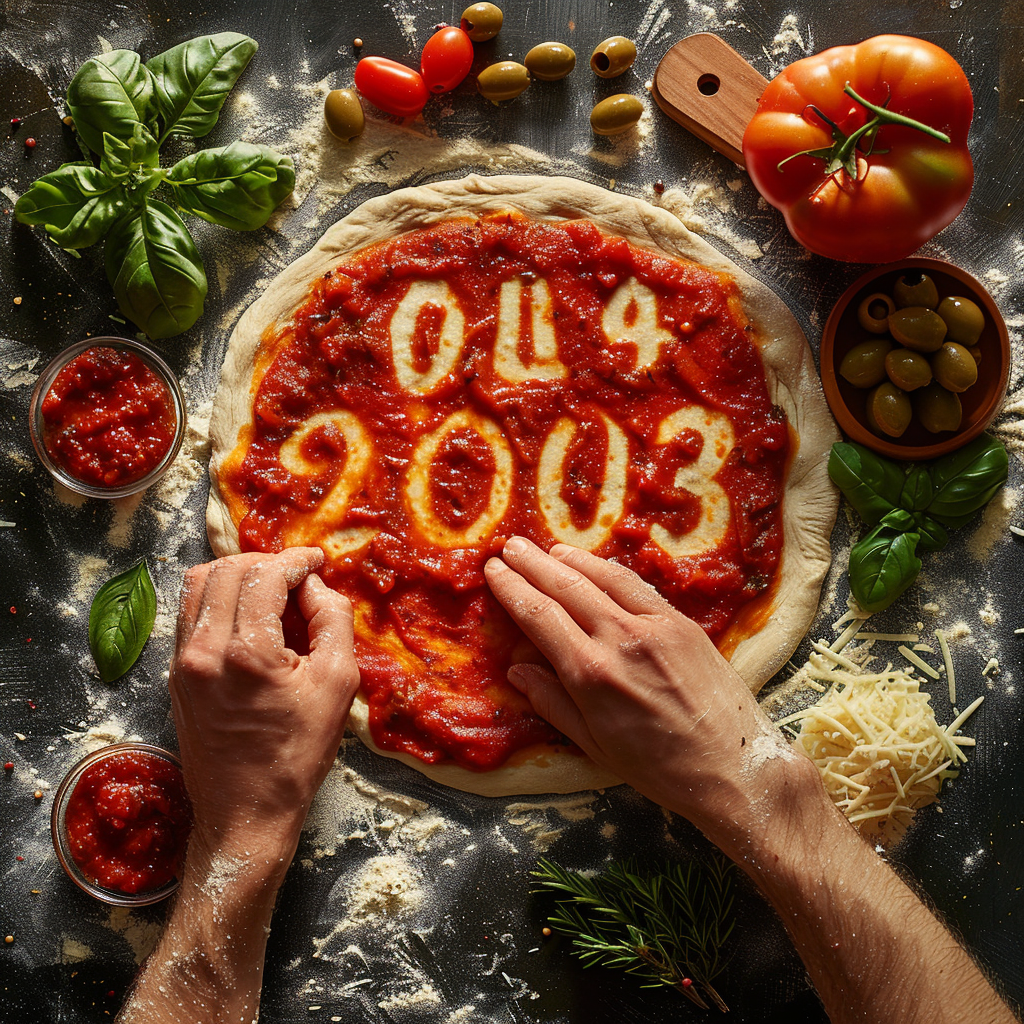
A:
[193,79]
[110,93]
[898,519]
[238,186]
[76,204]
[156,270]
[967,480]
[918,489]
[121,157]
[120,621]
[933,534]
[871,484]
[882,565]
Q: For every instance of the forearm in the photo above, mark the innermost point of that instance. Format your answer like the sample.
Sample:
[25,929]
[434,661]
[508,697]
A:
[872,949]
[208,965]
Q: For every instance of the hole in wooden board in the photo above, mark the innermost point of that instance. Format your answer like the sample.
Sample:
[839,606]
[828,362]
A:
[708,85]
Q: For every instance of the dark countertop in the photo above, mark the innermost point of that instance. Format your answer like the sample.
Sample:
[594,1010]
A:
[461,939]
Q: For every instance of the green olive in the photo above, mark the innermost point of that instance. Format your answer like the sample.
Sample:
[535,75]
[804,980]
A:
[481,22]
[954,367]
[963,318]
[873,313]
[550,61]
[503,81]
[864,365]
[907,369]
[616,114]
[888,410]
[918,328]
[938,409]
[612,57]
[344,114]
[975,355]
[915,288]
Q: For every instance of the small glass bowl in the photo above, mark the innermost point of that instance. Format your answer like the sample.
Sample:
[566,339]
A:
[37,426]
[62,845]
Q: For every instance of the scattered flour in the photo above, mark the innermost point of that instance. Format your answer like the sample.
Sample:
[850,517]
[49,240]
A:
[999,513]
[73,952]
[425,995]
[98,736]
[537,819]
[386,886]
[141,936]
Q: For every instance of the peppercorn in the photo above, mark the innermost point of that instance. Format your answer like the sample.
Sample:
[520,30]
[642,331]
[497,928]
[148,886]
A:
[659,186]
[30,143]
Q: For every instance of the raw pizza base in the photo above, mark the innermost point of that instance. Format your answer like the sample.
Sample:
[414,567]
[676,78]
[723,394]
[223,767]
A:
[810,502]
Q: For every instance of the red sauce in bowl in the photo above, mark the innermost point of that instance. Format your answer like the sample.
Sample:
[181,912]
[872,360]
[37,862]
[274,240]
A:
[128,820]
[108,418]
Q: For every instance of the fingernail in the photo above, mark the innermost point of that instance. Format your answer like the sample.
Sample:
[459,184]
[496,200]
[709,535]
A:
[495,565]
[515,546]
[559,549]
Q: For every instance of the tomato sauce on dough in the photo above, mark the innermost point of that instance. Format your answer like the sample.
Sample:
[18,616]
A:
[128,820]
[108,419]
[444,390]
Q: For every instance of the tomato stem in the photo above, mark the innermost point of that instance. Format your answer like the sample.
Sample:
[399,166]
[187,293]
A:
[842,154]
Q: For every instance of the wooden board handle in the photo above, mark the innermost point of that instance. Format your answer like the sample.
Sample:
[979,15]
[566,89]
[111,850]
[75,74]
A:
[705,85]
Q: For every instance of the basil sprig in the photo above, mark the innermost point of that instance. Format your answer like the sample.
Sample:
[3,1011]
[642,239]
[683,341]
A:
[910,510]
[124,111]
[120,621]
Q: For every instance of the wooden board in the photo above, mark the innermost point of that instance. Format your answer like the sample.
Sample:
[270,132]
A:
[705,85]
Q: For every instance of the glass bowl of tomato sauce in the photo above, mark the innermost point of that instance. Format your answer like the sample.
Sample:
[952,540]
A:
[120,823]
[107,417]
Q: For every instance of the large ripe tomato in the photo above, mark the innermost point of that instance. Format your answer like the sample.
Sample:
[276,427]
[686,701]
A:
[446,59]
[391,86]
[864,148]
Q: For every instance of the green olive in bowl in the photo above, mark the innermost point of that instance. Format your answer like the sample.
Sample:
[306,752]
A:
[963,318]
[954,367]
[613,57]
[481,21]
[907,369]
[864,365]
[874,311]
[915,288]
[918,328]
[503,81]
[889,410]
[550,61]
[937,409]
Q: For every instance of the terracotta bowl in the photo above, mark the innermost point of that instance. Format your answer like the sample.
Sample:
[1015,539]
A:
[980,402]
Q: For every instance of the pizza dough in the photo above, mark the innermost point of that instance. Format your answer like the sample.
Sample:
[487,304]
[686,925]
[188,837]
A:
[810,502]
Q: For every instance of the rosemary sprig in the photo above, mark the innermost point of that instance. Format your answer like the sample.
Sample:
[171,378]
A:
[666,926]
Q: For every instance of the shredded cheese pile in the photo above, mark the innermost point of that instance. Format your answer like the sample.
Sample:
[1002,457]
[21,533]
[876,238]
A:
[875,739]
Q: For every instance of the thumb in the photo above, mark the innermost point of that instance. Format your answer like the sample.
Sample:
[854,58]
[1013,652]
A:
[329,623]
[552,702]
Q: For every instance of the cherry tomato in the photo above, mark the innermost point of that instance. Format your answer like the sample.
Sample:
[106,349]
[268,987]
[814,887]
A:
[391,86]
[446,59]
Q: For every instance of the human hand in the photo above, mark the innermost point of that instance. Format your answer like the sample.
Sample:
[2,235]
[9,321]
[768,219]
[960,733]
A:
[258,725]
[641,689]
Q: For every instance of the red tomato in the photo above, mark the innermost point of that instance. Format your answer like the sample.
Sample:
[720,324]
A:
[391,86]
[854,180]
[446,59]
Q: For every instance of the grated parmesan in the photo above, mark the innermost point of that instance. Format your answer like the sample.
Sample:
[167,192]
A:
[878,746]
[918,662]
[948,661]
